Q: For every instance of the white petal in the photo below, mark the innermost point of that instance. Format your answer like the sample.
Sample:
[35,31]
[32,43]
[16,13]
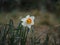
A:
[23,19]
[32,17]
[23,24]
[27,16]
[29,26]
[32,23]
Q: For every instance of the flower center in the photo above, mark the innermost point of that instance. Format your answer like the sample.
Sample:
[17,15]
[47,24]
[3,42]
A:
[28,21]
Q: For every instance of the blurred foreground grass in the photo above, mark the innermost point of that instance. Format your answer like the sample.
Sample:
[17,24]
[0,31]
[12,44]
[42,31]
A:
[45,35]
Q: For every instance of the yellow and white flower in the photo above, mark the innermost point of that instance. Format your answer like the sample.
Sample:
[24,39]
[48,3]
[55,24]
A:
[28,21]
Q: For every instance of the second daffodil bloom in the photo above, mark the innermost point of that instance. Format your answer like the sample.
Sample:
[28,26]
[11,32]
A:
[28,21]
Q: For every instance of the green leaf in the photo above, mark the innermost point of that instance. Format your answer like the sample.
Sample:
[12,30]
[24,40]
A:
[46,40]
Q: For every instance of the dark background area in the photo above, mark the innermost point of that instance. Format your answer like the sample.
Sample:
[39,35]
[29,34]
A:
[9,5]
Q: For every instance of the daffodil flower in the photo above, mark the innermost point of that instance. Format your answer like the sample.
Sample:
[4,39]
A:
[28,21]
